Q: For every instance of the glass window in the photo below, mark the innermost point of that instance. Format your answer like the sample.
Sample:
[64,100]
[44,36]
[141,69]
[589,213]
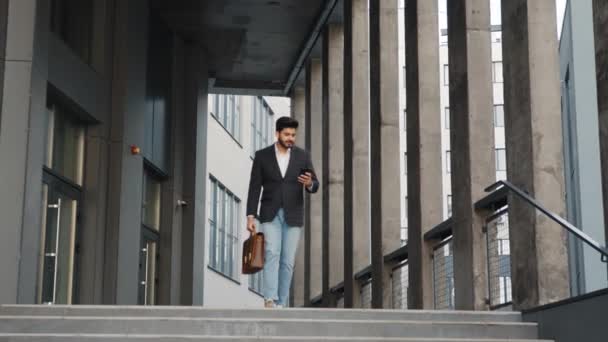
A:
[225,109]
[446,75]
[255,282]
[447,117]
[499,116]
[151,202]
[72,21]
[448,161]
[501,159]
[405,163]
[449,202]
[65,143]
[236,131]
[224,223]
[497,72]
[261,125]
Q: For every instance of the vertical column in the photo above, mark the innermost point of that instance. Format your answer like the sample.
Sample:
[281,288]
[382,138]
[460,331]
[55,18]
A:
[125,180]
[325,169]
[298,108]
[307,205]
[195,177]
[360,141]
[423,144]
[600,19]
[472,137]
[172,189]
[334,61]
[316,208]
[375,150]
[534,151]
[348,154]
[24,77]
[390,135]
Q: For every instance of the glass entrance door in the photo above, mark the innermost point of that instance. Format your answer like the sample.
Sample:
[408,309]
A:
[148,266]
[61,199]
[150,237]
[59,255]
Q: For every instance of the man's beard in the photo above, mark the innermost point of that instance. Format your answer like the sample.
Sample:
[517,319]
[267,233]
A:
[285,144]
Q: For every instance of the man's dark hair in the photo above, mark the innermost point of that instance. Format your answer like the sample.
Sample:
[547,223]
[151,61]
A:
[286,122]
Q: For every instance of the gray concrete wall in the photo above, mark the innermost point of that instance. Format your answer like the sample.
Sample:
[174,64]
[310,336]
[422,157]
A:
[20,75]
[574,320]
[582,150]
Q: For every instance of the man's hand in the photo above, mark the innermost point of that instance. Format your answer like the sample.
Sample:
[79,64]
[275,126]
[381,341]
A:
[306,179]
[251,224]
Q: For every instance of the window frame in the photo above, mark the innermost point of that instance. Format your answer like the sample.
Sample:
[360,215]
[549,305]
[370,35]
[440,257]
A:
[224,225]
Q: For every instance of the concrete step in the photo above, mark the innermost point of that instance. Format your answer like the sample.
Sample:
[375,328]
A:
[172,338]
[199,312]
[266,327]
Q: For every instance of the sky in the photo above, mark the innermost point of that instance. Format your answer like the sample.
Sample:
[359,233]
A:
[495,8]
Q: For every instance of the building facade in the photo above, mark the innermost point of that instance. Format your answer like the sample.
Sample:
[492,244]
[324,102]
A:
[118,183]
[239,126]
[585,207]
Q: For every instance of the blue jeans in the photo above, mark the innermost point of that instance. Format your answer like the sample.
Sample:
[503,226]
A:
[281,246]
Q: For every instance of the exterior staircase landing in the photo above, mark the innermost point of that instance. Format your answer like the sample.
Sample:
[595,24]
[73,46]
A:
[20,323]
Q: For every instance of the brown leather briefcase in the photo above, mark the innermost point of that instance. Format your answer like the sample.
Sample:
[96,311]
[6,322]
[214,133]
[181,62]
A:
[253,254]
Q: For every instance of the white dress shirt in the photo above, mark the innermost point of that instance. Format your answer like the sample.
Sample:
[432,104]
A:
[283,159]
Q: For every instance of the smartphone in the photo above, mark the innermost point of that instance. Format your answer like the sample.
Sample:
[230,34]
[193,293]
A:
[305,170]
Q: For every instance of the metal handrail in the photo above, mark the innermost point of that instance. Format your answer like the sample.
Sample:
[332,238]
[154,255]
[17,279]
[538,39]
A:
[558,219]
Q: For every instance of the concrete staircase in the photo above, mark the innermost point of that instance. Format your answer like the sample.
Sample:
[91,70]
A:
[188,324]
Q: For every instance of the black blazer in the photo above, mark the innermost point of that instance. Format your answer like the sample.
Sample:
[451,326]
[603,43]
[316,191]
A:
[279,192]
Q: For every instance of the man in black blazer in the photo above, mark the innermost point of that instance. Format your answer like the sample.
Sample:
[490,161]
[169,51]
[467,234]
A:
[283,171]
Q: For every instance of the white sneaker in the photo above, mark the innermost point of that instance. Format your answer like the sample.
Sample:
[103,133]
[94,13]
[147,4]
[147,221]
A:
[269,304]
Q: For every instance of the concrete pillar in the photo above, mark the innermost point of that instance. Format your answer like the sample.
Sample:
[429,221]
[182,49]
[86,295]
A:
[169,287]
[195,177]
[335,144]
[125,180]
[307,205]
[22,140]
[534,151]
[298,111]
[360,98]
[390,136]
[472,141]
[315,79]
[600,16]
[347,100]
[423,145]
[375,148]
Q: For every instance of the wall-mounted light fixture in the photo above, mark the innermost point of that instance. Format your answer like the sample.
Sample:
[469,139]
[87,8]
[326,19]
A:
[135,150]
